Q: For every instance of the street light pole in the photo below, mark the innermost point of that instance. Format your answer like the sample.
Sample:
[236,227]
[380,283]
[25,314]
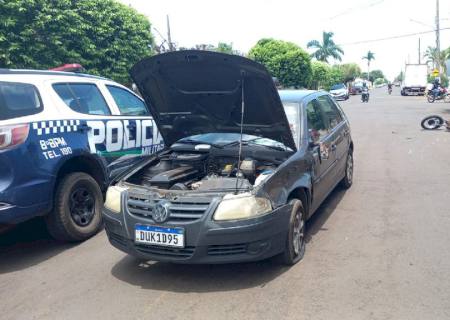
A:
[438,41]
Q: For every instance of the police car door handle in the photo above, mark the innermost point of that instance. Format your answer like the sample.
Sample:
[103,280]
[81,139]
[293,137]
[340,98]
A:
[83,127]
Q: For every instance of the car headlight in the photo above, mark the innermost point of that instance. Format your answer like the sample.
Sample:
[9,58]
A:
[242,206]
[113,198]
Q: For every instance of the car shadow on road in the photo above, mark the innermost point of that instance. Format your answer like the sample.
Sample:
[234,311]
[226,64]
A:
[211,278]
[26,245]
[316,222]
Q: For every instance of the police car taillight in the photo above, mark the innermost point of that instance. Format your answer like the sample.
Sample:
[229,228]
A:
[11,136]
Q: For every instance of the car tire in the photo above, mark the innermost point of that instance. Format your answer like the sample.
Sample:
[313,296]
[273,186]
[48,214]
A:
[76,215]
[347,181]
[296,239]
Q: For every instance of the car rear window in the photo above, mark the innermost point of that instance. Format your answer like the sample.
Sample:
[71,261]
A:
[18,100]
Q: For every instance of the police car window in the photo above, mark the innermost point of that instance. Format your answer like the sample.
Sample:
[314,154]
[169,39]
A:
[82,98]
[18,100]
[316,124]
[127,103]
[333,116]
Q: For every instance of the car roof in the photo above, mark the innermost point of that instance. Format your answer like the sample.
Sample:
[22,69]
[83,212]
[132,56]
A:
[296,95]
[48,73]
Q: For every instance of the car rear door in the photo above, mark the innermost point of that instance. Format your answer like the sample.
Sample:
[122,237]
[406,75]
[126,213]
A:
[141,135]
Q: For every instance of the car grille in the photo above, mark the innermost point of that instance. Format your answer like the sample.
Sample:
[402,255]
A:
[183,253]
[227,250]
[182,209]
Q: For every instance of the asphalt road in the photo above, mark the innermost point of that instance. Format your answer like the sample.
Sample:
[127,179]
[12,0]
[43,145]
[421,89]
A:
[378,251]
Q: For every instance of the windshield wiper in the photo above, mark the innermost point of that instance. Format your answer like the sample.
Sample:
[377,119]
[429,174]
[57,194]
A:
[192,141]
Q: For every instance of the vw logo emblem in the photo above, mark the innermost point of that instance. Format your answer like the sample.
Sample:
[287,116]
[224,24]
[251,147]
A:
[161,211]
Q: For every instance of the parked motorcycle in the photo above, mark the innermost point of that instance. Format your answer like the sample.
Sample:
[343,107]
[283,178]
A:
[438,94]
[434,122]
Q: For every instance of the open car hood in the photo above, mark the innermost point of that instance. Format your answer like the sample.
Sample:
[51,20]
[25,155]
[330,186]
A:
[193,92]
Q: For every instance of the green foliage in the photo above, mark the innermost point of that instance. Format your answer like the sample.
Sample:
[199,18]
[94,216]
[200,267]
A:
[400,77]
[105,36]
[284,60]
[221,47]
[320,74]
[378,81]
[369,57]
[374,74]
[326,49]
[335,76]
[350,71]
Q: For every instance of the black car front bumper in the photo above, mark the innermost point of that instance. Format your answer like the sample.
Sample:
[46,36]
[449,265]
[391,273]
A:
[206,241]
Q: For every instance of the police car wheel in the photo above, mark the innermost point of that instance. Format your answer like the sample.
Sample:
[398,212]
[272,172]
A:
[77,212]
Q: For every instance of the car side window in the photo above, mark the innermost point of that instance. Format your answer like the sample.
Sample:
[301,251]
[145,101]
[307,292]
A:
[330,111]
[128,104]
[316,124]
[82,97]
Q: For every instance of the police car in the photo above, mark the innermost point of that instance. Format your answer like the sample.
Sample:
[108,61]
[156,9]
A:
[63,138]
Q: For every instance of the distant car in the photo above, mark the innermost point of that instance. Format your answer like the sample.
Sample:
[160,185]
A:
[339,91]
[356,89]
[224,191]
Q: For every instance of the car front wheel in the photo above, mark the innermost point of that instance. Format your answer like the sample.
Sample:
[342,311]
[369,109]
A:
[76,215]
[295,242]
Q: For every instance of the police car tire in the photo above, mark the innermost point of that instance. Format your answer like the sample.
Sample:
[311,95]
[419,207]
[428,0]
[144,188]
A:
[60,223]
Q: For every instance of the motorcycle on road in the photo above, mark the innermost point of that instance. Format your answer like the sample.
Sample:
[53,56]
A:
[365,96]
[438,94]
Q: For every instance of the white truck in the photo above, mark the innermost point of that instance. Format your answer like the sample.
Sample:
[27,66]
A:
[415,79]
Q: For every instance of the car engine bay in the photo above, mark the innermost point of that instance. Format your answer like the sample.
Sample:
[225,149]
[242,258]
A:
[185,168]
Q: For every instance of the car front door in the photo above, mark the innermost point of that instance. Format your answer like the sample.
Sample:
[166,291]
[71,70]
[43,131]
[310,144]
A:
[320,144]
[339,135]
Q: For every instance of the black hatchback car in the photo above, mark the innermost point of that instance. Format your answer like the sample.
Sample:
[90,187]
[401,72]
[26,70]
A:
[244,168]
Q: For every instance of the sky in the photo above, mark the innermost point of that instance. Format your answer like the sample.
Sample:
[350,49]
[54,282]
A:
[243,23]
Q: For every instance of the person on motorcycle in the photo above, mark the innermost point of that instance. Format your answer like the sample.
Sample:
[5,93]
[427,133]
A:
[390,87]
[436,87]
[364,93]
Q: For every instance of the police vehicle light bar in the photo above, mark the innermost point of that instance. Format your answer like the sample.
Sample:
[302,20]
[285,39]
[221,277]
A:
[11,136]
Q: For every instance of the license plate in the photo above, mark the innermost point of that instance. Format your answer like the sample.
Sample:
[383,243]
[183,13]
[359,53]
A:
[159,236]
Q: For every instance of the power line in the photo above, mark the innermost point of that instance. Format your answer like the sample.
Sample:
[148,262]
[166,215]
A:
[392,37]
[361,7]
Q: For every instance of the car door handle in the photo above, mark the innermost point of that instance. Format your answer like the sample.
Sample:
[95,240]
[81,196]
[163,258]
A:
[333,147]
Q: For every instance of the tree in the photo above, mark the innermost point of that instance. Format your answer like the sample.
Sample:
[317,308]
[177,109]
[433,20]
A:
[437,59]
[104,36]
[400,77]
[350,71]
[320,74]
[221,47]
[284,60]
[326,49]
[369,57]
[335,76]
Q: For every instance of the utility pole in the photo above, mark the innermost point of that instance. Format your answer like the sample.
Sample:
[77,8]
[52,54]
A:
[419,50]
[438,41]
[169,39]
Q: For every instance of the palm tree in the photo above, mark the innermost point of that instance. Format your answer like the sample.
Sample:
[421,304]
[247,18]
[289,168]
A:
[326,49]
[369,57]
[436,58]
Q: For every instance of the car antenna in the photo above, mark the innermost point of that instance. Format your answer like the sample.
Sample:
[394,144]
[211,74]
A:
[242,129]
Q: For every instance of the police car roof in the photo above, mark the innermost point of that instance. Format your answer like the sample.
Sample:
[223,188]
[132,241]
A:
[48,73]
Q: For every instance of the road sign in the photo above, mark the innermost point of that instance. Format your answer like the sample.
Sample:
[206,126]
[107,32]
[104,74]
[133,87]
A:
[435,72]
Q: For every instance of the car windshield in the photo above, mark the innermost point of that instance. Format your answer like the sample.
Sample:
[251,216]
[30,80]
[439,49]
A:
[338,86]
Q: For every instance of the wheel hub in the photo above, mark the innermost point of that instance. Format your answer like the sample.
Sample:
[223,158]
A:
[82,206]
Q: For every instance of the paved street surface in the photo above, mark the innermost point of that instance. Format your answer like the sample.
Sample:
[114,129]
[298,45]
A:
[378,251]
